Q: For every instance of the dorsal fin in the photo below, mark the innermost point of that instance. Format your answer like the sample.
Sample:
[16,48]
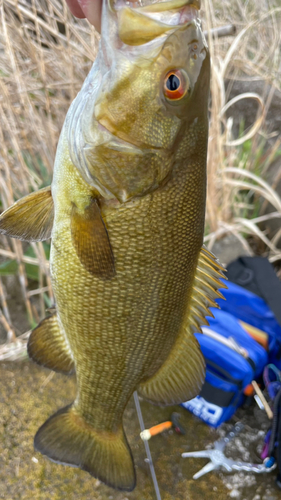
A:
[207,281]
[181,377]
[30,218]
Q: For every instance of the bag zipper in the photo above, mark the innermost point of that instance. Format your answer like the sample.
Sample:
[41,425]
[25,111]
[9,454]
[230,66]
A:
[229,342]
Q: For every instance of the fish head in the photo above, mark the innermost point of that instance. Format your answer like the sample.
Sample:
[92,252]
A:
[149,85]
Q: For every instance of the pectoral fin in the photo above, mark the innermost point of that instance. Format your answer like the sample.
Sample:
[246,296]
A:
[91,241]
[31,218]
[48,346]
[182,375]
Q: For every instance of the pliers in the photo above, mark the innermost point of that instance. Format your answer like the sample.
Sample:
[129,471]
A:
[218,458]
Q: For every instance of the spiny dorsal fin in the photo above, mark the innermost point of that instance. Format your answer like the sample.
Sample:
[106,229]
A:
[48,346]
[30,218]
[207,281]
[91,241]
[181,377]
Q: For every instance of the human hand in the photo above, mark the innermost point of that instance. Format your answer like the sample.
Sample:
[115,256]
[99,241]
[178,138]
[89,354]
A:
[91,9]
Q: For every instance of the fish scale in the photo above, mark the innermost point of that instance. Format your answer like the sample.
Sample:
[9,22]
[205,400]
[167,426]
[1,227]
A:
[141,299]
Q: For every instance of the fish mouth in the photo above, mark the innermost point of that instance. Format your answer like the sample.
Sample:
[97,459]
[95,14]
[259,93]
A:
[141,21]
[173,12]
[170,12]
[154,6]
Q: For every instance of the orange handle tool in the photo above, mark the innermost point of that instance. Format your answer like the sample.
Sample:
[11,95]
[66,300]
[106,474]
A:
[156,429]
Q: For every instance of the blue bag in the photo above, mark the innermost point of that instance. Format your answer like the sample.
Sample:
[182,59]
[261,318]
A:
[233,359]
[253,310]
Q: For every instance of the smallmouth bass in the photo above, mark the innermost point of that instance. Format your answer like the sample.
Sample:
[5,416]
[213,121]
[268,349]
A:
[125,212]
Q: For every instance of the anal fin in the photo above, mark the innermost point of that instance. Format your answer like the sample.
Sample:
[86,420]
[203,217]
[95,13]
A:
[91,241]
[30,218]
[68,439]
[48,347]
[182,375]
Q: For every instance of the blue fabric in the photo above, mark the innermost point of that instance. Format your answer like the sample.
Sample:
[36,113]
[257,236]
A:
[252,309]
[228,326]
[226,359]
[228,372]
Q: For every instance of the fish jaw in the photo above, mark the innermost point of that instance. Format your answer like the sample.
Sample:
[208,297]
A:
[137,23]
[122,132]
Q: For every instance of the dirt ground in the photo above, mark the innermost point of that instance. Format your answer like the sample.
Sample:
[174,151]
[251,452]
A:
[29,394]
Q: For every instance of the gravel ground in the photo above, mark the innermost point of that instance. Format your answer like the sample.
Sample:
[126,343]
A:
[29,394]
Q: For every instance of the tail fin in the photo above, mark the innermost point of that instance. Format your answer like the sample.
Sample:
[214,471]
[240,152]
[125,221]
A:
[68,439]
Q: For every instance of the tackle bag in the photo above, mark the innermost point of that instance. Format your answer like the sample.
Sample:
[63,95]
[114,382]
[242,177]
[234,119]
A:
[254,311]
[233,359]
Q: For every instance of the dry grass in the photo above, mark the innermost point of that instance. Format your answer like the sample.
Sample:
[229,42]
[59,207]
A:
[44,57]
[234,186]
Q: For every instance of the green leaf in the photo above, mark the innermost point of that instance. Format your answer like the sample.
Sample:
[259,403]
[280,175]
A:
[32,272]
[9,267]
[47,300]
[47,249]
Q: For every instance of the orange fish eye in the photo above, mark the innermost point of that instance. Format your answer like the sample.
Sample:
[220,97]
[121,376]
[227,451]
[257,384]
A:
[175,85]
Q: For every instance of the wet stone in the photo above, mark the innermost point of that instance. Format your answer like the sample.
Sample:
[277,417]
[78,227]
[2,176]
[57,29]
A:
[28,396]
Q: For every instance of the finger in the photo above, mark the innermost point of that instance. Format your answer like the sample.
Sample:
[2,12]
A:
[75,9]
[92,11]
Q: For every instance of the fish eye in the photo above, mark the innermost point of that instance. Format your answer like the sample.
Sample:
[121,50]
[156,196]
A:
[175,85]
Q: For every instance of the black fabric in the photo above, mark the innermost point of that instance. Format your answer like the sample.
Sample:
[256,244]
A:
[257,275]
[222,373]
[216,396]
[225,373]
[251,363]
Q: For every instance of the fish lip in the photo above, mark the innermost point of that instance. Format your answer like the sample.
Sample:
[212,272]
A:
[179,12]
[188,10]
[188,3]
[119,4]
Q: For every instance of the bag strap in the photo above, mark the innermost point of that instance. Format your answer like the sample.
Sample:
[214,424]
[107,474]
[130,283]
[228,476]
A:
[278,450]
[275,424]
